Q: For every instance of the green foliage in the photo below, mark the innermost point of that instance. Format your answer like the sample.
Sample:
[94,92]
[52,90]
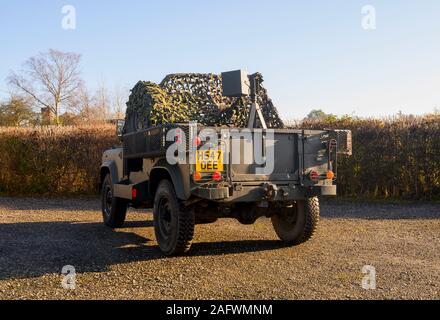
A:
[16,112]
[317,114]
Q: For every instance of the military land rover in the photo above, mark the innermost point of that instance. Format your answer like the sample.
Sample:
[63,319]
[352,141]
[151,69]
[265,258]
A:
[199,147]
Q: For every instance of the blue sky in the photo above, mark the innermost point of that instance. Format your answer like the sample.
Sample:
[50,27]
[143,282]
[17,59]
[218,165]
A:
[313,54]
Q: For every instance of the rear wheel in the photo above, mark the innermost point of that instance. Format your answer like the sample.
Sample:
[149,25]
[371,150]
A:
[113,209]
[297,224]
[173,223]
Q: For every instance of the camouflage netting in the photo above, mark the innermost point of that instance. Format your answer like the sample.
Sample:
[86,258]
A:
[187,97]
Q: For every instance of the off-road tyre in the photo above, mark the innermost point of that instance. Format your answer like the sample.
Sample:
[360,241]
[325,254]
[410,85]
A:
[298,224]
[173,222]
[114,209]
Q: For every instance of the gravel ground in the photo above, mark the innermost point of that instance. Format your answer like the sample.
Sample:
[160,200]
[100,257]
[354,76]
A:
[227,261]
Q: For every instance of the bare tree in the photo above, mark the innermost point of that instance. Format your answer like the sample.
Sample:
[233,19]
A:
[51,79]
[119,101]
[89,107]
[97,106]
[81,102]
[101,101]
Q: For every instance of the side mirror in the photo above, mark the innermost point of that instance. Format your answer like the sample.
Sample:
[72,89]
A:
[120,128]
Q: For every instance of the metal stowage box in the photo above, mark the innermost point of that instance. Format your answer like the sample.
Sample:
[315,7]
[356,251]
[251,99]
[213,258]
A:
[235,83]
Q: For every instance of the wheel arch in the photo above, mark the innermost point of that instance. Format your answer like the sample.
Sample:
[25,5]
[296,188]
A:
[173,173]
[108,167]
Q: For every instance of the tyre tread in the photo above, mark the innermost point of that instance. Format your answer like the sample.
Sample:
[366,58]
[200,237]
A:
[185,221]
[312,219]
[119,208]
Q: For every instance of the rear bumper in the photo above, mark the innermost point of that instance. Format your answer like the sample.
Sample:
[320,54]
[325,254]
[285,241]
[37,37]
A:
[260,193]
[328,190]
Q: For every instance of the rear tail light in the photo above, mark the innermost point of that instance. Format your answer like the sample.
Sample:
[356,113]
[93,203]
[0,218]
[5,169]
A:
[216,176]
[314,176]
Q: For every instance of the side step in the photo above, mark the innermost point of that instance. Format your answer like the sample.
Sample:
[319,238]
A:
[132,192]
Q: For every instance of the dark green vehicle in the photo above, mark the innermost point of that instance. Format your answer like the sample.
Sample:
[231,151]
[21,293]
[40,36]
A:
[223,178]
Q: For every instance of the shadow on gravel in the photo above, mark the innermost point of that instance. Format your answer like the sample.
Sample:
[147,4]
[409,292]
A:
[42,203]
[34,249]
[379,211]
[137,224]
[231,247]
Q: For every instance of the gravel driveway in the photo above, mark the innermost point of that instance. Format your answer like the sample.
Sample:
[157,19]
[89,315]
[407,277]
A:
[227,261]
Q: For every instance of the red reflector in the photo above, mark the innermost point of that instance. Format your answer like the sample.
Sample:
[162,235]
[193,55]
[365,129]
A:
[216,176]
[314,175]
[177,137]
[197,141]
[133,193]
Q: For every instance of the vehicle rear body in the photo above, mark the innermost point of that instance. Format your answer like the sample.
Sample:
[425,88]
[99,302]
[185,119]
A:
[303,165]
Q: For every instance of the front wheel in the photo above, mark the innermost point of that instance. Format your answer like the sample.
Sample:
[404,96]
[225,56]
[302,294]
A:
[114,209]
[297,224]
[173,223]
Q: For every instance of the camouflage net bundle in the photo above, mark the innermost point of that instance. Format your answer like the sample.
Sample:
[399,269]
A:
[188,97]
